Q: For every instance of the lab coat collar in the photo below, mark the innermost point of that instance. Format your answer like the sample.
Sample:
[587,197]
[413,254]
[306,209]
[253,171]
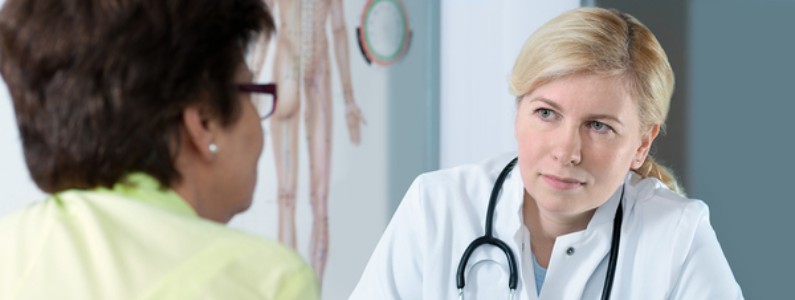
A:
[508,219]
[606,212]
[511,201]
[509,222]
[508,213]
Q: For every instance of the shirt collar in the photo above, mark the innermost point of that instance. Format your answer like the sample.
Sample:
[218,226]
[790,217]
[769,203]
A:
[145,188]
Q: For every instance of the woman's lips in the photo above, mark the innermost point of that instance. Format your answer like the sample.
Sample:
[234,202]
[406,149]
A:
[562,183]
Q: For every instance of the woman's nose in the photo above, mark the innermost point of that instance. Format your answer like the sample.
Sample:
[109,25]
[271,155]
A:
[568,147]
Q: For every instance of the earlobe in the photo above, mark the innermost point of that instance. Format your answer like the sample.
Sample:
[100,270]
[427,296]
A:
[645,145]
[199,134]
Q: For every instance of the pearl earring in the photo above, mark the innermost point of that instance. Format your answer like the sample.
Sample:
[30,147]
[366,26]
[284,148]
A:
[213,148]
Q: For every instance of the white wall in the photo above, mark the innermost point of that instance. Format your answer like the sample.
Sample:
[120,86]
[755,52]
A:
[480,41]
[18,189]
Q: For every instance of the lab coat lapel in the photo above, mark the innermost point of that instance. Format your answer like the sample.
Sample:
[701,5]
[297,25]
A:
[487,271]
[576,257]
[508,224]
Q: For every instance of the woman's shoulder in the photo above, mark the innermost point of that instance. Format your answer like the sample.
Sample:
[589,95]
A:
[237,264]
[485,171]
[260,248]
[653,201]
[451,192]
[468,181]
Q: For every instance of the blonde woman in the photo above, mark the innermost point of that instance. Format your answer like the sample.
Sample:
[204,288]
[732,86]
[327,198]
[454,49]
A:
[581,211]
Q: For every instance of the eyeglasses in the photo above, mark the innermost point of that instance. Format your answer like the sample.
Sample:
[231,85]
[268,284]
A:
[263,96]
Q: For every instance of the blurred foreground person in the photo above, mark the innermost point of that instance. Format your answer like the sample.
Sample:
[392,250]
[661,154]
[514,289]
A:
[140,119]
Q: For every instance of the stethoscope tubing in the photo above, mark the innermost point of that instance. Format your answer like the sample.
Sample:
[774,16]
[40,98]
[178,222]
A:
[489,239]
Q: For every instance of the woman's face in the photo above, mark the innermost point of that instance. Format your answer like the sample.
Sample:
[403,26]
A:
[578,137]
[240,145]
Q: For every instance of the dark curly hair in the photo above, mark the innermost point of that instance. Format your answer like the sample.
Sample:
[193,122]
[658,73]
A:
[99,87]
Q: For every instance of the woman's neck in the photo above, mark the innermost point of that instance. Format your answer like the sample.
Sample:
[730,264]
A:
[546,227]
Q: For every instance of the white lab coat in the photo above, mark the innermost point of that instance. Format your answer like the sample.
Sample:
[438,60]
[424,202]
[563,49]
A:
[668,248]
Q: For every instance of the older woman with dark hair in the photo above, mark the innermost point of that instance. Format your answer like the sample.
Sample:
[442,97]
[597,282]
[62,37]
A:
[140,119]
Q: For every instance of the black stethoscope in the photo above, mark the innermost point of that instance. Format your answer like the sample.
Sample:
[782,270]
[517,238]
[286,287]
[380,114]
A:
[489,238]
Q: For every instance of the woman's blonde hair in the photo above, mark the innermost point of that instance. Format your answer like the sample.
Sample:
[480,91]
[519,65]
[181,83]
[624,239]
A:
[603,42]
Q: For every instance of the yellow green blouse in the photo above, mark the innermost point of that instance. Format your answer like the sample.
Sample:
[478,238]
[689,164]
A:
[138,241]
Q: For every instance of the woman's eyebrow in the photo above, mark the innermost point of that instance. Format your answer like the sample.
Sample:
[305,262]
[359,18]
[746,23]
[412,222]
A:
[605,117]
[548,102]
[557,107]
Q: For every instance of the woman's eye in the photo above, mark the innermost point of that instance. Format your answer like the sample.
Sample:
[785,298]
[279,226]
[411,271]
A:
[545,114]
[600,127]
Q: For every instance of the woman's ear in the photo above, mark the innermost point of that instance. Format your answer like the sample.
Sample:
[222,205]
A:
[646,140]
[199,128]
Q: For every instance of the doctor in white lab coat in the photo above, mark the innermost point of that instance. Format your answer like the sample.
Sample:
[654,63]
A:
[593,88]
